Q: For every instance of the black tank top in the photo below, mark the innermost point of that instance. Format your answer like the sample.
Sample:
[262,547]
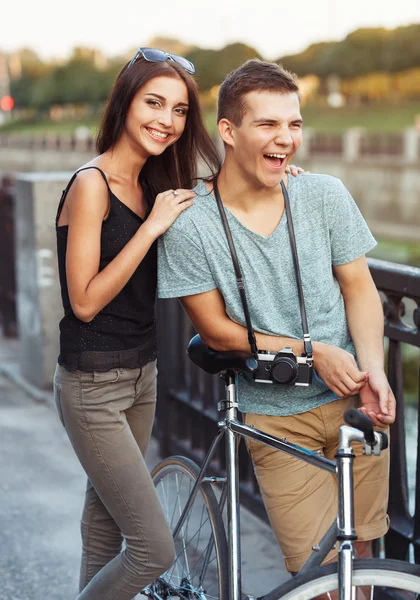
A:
[123,333]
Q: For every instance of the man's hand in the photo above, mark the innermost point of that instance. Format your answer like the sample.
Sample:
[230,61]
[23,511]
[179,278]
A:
[378,401]
[338,370]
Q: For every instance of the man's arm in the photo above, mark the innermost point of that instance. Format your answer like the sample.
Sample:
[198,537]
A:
[366,324]
[207,312]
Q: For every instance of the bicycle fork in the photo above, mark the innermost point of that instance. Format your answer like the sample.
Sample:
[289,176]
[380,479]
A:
[345,517]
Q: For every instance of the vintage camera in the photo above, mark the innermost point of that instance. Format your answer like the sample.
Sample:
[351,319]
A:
[284,367]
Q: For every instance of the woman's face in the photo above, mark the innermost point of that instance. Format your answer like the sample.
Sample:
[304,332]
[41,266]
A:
[157,114]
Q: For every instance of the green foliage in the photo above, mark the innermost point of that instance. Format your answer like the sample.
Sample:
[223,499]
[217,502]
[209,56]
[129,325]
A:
[82,81]
[368,50]
[363,51]
[212,66]
[406,253]
[32,71]
[77,82]
[205,64]
[403,49]
[383,117]
[411,362]
[169,45]
[316,59]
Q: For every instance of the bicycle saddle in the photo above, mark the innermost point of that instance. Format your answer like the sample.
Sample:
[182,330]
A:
[214,362]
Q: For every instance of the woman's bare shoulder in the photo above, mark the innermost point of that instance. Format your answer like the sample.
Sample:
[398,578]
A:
[89,191]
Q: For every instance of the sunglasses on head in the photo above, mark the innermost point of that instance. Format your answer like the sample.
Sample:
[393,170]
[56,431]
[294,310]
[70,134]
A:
[156,55]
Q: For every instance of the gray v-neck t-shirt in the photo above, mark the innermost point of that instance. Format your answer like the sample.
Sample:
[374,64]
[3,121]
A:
[194,258]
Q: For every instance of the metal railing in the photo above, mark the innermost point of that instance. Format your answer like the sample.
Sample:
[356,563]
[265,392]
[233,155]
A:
[384,144]
[187,399]
[398,285]
[326,143]
[48,141]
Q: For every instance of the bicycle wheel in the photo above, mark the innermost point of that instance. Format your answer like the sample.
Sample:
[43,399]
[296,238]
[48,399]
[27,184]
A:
[200,567]
[380,579]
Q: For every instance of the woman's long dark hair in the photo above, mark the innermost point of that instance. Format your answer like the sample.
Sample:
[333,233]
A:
[177,166]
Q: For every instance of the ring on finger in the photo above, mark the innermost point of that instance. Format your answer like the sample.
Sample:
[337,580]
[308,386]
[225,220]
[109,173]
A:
[175,192]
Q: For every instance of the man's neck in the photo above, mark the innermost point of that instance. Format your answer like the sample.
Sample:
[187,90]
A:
[244,195]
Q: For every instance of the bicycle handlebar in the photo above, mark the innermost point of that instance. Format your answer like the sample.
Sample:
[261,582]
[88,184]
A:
[355,418]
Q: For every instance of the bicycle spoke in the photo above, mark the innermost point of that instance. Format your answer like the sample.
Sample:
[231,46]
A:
[191,573]
[196,533]
[199,537]
[176,503]
[195,572]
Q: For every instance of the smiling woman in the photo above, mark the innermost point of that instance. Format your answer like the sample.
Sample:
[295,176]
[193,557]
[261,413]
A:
[150,101]
[109,218]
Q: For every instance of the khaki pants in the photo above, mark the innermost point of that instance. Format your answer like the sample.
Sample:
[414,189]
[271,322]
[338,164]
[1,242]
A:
[300,499]
[108,417]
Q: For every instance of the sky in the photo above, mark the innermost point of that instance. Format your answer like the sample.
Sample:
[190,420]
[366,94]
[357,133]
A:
[274,28]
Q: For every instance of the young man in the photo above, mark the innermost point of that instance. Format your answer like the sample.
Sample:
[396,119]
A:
[260,124]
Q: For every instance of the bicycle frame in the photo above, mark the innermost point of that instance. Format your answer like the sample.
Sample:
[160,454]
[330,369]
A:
[342,531]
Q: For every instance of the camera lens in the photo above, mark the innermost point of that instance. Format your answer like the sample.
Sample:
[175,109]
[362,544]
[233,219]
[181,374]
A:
[284,370]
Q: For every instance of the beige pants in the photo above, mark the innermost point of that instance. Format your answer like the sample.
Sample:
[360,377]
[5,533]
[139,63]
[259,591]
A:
[301,500]
[108,418]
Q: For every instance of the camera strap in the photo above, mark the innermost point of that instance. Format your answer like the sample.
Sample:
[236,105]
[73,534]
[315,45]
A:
[240,281]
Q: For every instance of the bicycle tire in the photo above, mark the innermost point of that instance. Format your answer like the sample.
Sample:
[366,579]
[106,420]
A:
[384,574]
[171,474]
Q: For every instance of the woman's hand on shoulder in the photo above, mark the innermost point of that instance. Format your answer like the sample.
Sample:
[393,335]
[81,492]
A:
[295,171]
[167,208]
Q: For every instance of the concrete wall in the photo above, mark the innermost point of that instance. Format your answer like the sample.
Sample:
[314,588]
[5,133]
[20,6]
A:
[28,160]
[38,291]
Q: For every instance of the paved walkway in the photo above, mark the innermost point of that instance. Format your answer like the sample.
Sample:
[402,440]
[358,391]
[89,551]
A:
[41,495]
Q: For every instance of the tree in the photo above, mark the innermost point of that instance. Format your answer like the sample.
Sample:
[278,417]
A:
[311,61]
[205,67]
[403,48]
[76,82]
[169,45]
[28,69]
[212,66]
[365,50]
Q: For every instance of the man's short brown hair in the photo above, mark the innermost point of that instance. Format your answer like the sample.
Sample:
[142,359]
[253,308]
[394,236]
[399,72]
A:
[253,76]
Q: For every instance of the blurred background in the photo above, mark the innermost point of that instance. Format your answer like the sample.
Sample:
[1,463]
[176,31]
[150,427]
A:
[358,65]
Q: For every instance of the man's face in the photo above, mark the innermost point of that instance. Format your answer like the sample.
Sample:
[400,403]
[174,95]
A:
[268,137]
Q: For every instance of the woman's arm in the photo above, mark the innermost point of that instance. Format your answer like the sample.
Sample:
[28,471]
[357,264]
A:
[87,205]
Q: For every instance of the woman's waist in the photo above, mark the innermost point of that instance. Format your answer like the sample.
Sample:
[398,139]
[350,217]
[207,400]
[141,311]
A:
[96,356]
[105,332]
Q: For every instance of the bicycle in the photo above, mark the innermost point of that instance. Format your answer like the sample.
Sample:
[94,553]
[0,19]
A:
[207,564]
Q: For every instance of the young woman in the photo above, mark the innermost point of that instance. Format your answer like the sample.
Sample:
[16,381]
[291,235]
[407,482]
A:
[110,215]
